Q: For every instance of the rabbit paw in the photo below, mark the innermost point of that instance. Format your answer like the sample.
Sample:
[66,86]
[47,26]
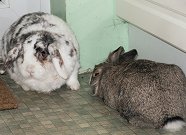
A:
[25,88]
[73,84]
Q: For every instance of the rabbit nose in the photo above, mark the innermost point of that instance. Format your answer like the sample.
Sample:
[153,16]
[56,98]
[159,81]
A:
[30,68]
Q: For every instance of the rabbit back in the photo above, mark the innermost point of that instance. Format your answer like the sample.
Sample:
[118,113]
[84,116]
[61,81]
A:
[38,21]
[145,88]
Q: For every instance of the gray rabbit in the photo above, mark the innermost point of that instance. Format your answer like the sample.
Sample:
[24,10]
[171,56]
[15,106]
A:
[146,93]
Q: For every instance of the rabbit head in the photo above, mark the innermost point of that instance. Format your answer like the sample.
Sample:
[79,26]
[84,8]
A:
[117,57]
[41,48]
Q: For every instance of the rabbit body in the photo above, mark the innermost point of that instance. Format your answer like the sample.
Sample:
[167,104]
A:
[41,53]
[145,92]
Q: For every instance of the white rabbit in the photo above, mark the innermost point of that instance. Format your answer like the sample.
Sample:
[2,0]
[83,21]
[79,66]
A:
[40,52]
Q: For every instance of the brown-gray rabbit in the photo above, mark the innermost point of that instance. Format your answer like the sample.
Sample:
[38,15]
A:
[146,93]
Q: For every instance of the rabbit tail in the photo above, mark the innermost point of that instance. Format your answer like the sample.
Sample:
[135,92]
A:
[174,124]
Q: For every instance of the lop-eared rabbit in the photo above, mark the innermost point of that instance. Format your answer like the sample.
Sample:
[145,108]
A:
[40,52]
[146,93]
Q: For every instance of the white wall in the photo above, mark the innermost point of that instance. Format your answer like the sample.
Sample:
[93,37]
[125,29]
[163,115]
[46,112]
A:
[164,18]
[150,47]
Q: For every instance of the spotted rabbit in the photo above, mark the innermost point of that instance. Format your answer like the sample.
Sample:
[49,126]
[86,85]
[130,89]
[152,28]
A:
[41,53]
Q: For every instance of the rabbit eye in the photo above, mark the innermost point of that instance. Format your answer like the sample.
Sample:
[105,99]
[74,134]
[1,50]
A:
[96,74]
[41,54]
[44,54]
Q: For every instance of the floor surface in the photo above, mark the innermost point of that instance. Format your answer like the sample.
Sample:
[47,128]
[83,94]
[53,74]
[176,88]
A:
[66,112]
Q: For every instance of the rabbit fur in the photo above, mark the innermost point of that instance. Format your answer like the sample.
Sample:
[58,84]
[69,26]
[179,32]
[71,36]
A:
[146,93]
[41,53]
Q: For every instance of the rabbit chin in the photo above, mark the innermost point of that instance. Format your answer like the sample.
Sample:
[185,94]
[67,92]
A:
[41,80]
[36,70]
[94,90]
[46,86]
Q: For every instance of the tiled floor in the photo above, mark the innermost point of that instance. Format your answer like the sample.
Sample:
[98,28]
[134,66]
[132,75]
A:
[65,112]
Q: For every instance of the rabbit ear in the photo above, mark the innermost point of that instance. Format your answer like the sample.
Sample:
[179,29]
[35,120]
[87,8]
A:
[114,56]
[95,80]
[130,55]
[58,61]
[13,54]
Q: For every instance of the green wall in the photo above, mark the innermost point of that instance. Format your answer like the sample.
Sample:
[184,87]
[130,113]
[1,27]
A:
[96,27]
[58,7]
